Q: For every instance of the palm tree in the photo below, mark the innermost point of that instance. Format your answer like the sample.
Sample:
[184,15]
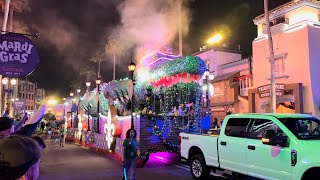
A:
[16,5]
[98,57]
[88,72]
[112,47]
[6,14]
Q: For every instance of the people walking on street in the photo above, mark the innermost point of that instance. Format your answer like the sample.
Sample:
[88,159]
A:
[53,126]
[130,153]
[42,126]
[62,136]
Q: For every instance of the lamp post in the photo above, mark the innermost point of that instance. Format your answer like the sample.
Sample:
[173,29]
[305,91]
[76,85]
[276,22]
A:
[88,84]
[64,108]
[132,68]
[71,95]
[207,93]
[98,82]
[8,87]
[78,96]
[207,77]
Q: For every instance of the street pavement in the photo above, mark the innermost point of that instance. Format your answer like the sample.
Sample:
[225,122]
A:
[74,162]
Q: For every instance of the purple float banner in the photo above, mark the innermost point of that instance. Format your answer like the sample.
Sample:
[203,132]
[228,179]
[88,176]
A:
[18,55]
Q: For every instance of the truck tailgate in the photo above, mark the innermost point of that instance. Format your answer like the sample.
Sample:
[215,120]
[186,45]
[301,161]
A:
[206,143]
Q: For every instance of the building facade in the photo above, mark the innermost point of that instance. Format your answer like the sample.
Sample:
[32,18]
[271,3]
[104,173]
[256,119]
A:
[30,94]
[295,32]
[232,80]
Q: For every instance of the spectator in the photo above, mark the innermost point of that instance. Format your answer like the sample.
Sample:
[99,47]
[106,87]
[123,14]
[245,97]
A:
[6,127]
[6,113]
[215,123]
[20,158]
[40,142]
[18,126]
[32,123]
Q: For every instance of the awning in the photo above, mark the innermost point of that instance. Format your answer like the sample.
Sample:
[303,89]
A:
[225,76]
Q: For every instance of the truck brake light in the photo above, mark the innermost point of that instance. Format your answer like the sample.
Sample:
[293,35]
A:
[179,139]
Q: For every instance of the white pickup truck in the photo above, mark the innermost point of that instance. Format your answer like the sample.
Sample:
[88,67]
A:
[266,146]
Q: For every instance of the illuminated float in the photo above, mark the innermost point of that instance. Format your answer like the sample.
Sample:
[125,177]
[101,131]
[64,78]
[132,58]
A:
[167,101]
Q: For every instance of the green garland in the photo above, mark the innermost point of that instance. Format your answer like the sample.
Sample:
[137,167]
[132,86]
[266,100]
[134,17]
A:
[189,65]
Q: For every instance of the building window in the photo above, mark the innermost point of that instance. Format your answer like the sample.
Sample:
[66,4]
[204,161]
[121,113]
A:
[278,20]
[279,67]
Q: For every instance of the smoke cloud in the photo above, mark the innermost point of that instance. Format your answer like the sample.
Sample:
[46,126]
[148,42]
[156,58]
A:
[148,25]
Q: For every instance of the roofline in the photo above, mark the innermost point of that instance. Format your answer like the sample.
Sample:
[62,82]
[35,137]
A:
[285,8]
[237,61]
[217,49]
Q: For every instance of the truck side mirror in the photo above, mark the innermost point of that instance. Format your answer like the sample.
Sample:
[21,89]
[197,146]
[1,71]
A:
[269,137]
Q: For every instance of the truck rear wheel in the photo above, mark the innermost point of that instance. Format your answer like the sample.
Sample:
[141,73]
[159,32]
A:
[198,167]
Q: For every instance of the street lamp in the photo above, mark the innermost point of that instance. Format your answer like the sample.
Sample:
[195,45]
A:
[132,68]
[78,96]
[98,82]
[71,95]
[88,84]
[215,39]
[8,86]
[64,108]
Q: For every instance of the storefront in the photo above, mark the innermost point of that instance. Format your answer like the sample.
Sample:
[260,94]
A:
[289,98]
[225,97]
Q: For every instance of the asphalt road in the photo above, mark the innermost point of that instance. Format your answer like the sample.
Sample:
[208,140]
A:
[76,163]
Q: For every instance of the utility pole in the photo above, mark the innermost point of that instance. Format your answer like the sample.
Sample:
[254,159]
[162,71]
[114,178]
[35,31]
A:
[6,14]
[272,79]
[180,26]
[114,63]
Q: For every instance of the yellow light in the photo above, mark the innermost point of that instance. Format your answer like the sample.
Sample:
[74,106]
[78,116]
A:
[265,140]
[215,39]
[52,102]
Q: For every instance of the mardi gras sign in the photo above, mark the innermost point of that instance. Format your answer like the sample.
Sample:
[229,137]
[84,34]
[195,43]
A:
[18,55]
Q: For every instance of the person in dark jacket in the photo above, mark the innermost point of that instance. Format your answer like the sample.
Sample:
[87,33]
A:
[215,123]
[130,153]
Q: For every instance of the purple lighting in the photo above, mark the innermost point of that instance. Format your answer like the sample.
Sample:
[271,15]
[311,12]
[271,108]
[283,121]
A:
[160,158]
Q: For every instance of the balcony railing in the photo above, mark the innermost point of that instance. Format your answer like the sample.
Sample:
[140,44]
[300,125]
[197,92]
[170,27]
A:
[245,83]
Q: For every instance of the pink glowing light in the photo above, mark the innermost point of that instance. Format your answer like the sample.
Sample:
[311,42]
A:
[148,60]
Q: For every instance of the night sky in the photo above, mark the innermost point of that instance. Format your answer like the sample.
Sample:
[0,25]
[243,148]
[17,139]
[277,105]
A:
[73,31]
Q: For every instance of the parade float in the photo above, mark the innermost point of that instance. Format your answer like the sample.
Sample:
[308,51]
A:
[167,100]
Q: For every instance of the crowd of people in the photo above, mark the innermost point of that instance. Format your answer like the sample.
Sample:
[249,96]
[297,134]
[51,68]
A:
[20,152]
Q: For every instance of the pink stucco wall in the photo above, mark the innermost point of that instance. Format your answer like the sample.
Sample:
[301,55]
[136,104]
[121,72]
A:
[301,63]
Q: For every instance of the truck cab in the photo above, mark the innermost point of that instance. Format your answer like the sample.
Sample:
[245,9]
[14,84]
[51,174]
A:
[266,146]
